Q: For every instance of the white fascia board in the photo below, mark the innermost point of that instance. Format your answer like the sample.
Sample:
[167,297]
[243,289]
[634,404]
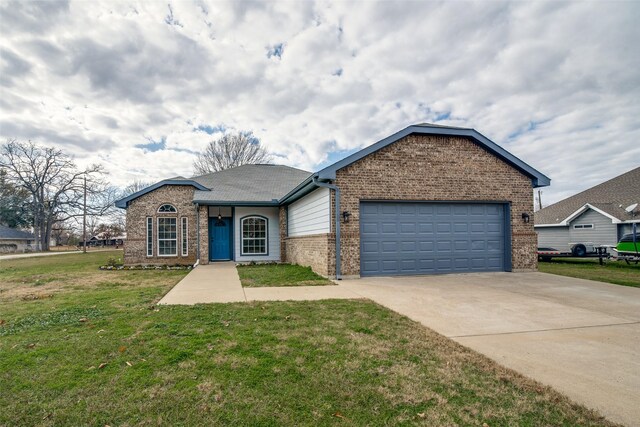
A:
[583,209]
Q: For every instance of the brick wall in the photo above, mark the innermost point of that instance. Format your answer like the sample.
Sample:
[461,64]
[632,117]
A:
[312,251]
[203,215]
[421,167]
[135,248]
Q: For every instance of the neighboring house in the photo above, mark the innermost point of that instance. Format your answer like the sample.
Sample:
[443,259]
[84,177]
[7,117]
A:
[12,240]
[104,239]
[596,215]
[429,199]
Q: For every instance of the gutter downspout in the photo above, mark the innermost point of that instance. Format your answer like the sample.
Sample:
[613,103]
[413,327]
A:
[337,214]
[197,234]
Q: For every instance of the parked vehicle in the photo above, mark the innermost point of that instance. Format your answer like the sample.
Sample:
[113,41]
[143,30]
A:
[629,244]
[579,250]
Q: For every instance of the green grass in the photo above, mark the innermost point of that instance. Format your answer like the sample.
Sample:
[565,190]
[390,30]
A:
[95,350]
[616,272]
[253,276]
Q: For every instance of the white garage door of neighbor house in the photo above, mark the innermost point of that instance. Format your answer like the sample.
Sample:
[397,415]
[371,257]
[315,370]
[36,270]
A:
[410,238]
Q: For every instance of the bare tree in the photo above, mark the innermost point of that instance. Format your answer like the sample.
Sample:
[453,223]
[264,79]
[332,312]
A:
[134,187]
[229,151]
[54,184]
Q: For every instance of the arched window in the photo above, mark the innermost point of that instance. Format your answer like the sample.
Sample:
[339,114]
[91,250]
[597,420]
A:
[254,235]
[167,208]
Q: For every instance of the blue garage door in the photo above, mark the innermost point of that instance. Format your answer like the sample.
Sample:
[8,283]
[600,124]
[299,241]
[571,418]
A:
[431,238]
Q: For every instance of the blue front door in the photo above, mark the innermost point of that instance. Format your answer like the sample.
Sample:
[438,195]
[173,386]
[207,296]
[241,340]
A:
[219,239]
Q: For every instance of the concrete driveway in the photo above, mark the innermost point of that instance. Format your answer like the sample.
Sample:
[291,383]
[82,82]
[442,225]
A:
[578,336]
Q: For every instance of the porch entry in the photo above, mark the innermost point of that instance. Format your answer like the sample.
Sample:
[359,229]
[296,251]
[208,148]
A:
[220,236]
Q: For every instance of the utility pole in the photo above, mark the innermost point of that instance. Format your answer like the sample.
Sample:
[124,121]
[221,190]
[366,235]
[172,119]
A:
[539,199]
[84,218]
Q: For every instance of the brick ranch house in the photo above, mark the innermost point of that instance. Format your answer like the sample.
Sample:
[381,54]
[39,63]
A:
[427,200]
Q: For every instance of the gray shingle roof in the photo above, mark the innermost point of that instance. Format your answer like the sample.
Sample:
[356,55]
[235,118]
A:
[611,197]
[249,183]
[12,233]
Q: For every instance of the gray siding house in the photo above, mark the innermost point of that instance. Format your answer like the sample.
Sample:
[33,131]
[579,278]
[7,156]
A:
[15,241]
[596,215]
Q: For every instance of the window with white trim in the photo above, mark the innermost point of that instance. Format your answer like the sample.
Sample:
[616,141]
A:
[254,235]
[185,236]
[167,208]
[582,226]
[149,236]
[167,237]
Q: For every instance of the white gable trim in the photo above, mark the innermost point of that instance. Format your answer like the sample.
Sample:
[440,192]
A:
[587,206]
[583,209]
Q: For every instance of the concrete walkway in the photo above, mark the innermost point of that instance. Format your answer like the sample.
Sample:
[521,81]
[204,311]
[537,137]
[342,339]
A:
[219,282]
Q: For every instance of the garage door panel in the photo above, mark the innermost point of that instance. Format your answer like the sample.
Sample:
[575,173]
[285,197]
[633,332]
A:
[370,266]
[427,265]
[444,264]
[477,227]
[443,245]
[389,265]
[425,210]
[442,209]
[443,227]
[408,209]
[426,246]
[494,245]
[389,247]
[408,266]
[408,246]
[493,210]
[478,245]
[368,209]
[494,227]
[460,210]
[431,238]
[370,247]
[408,227]
[389,228]
[388,209]
[494,262]
[460,227]
[425,227]
[475,210]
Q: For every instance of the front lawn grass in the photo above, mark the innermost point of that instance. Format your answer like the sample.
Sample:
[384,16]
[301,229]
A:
[616,272]
[259,275]
[99,352]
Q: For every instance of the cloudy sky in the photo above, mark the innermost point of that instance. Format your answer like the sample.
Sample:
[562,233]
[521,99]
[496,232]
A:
[142,86]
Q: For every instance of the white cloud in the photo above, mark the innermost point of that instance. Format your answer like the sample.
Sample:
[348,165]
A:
[543,79]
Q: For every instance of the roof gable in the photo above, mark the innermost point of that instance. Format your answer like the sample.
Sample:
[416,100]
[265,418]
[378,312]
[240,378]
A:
[609,198]
[14,234]
[537,178]
[124,202]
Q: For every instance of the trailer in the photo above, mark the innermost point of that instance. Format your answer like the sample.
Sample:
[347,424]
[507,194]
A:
[577,250]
